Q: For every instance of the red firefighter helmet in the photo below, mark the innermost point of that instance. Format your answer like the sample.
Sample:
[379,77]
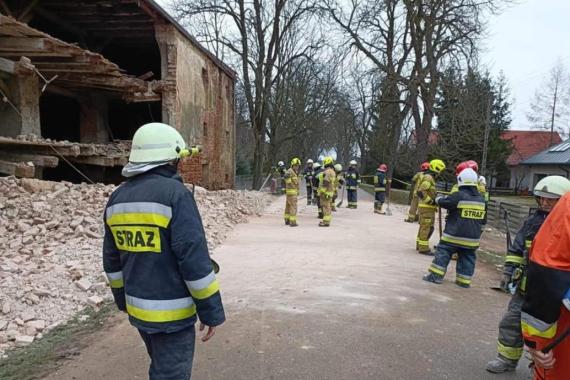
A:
[424,166]
[383,168]
[466,165]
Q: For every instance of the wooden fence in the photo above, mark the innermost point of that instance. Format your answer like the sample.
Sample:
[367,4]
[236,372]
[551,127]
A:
[517,215]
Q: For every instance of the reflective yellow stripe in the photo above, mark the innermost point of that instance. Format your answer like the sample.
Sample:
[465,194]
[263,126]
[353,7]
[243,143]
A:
[437,271]
[512,353]
[463,279]
[293,218]
[138,219]
[534,327]
[160,310]
[292,192]
[203,287]
[423,242]
[201,294]
[115,279]
[471,243]
[422,205]
[327,218]
[161,315]
[514,259]
[528,243]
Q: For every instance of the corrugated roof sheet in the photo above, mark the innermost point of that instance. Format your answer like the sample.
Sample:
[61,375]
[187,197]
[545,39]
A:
[528,143]
[557,155]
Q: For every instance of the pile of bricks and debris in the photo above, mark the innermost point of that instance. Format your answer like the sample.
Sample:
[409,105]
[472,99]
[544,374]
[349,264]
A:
[50,249]
[21,156]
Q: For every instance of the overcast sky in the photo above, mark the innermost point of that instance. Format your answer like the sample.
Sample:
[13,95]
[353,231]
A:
[525,41]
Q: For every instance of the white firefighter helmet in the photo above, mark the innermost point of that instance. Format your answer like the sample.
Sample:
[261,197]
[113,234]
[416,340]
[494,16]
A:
[352,163]
[553,186]
[316,165]
[310,162]
[280,163]
[157,142]
[338,168]
[482,180]
[468,177]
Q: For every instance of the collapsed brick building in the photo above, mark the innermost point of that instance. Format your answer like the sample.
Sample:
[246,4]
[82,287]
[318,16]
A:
[77,78]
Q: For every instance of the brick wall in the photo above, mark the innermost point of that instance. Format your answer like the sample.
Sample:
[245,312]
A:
[191,170]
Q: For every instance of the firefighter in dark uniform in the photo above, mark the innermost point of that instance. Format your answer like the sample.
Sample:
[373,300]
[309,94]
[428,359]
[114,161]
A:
[352,182]
[380,188]
[462,231]
[317,169]
[308,175]
[510,343]
[156,257]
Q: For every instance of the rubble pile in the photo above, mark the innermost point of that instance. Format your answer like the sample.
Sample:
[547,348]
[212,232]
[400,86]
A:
[50,249]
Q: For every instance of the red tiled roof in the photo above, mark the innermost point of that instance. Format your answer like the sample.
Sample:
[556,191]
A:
[528,143]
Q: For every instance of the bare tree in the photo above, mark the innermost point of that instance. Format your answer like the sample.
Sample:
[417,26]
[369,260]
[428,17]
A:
[550,107]
[255,32]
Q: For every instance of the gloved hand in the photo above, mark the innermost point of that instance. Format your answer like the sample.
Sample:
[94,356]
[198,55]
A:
[420,194]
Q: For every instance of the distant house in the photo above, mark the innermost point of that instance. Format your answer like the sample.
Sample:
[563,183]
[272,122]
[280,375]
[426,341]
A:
[552,161]
[526,144]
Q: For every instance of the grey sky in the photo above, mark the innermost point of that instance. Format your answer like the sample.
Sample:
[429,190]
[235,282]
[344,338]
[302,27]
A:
[525,41]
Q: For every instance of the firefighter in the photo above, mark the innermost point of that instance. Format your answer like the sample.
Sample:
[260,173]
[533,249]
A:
[292,192]
[339,182]
[416,180]
[426,206]
[308,174]
[510,343]
[462,232]
[317,169]
[327,180]
[155,254]
[380,188]
[352,182]
[545,313]
[465,165]
[482,186]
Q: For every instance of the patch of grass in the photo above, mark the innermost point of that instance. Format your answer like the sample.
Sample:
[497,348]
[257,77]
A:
[43,356]
[396,195]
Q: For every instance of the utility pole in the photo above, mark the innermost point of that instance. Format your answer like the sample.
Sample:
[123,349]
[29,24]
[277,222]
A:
[487,130]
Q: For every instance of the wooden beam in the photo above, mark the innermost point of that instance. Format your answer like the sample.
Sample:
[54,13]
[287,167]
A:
[18,169]
[7,66]
[19,146]
[22,43]
[93,160]
[37,160]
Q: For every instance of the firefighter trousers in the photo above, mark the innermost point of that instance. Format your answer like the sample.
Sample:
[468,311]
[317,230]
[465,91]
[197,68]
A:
[171,355]
[427,221]
[291,209]
[413,211]
[510,343]
[465,268]
[379,199]
[309,194]
[326,206]
[351,194]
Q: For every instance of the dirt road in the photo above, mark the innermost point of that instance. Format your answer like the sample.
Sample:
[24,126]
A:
[345,302]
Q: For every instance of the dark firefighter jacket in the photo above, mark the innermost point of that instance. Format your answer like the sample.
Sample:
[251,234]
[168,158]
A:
[466,214]
[543,317]
[156,257]
[517,256]
[308,175]
[379,181]
[352,178]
